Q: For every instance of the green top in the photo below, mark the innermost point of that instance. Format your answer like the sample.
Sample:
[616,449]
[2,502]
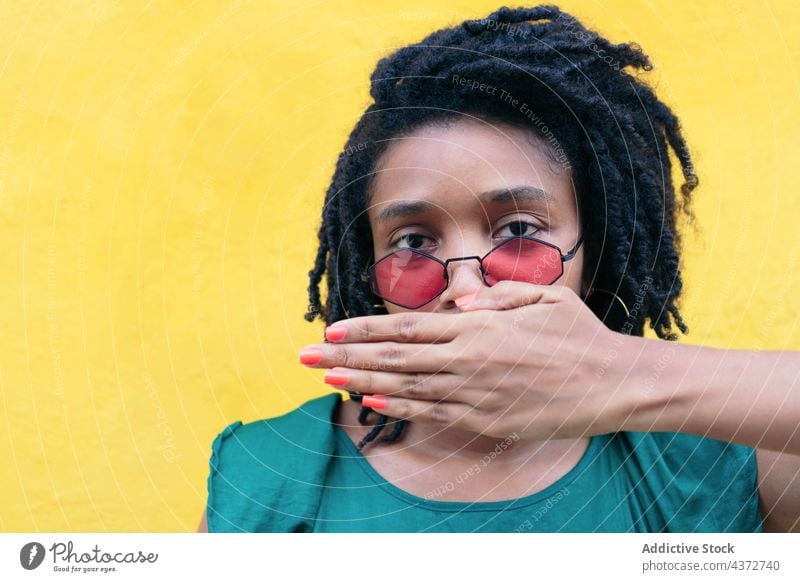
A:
[300,472]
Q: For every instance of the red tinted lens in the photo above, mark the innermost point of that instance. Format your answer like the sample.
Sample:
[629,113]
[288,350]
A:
[522,259]
[408,279]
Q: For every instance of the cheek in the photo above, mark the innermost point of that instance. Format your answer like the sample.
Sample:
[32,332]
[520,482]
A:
[390,308]
[573,270]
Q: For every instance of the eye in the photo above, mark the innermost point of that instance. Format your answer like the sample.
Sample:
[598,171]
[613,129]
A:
[413,240]
[518,228]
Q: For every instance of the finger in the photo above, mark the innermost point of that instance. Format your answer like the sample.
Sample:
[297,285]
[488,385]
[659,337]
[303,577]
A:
[513,294]
[385,356]
[419,386]
[410,327]
[454,414]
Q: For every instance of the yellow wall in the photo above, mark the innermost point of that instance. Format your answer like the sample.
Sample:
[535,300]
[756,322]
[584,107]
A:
[161,171]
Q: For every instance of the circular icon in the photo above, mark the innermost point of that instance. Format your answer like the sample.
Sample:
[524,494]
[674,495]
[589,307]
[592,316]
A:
[31,555]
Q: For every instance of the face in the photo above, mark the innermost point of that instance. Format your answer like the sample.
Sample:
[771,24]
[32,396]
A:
[436,190]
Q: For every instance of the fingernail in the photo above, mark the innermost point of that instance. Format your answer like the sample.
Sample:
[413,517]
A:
[373,401]
[309,356]
[464,299]
[335,333]
[336,378]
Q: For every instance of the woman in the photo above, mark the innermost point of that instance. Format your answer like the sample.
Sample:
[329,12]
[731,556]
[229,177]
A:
[518,149]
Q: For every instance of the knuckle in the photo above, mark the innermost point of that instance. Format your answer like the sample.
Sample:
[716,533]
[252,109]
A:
[366,330]
[480,356]
[417,386]
[494,400]
[473,321]
[406,328]
[439,413]
[473,421]
[367,382]
[463,359]
[402,409]
[393,355]
[343,358]
[481,320]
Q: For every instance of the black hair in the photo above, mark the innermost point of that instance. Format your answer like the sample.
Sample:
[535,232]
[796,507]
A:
[583,98]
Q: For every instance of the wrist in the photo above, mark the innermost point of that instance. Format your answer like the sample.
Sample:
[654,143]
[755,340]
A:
[652,382]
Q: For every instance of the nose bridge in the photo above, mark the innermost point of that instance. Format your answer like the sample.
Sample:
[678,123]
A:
[471,265]
[464,277]
[470,258]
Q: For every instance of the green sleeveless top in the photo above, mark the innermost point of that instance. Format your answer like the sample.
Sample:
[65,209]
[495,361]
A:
[300,472]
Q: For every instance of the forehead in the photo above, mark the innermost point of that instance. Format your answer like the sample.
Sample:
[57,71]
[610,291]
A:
[449,165]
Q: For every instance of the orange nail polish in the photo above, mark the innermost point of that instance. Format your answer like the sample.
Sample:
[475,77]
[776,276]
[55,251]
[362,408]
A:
[335,333]
[376,402]
[464,299]
[310,356]
[336,378]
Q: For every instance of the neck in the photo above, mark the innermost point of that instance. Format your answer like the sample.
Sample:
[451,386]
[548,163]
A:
[443,442]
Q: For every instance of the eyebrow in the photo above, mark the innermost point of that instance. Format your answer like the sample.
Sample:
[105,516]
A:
[497,196]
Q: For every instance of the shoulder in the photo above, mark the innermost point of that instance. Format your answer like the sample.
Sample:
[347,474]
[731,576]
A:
[685,449]
[267,475]
[694,483]
[303,426]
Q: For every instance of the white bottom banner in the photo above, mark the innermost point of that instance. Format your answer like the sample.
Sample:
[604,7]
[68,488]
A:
[401,557]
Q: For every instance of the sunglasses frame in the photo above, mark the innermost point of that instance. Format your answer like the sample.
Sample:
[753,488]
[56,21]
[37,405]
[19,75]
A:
[367,276]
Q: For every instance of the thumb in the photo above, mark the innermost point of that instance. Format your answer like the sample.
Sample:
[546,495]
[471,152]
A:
[510,295]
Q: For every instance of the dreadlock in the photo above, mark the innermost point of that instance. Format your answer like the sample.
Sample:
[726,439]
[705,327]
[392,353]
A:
[583,97]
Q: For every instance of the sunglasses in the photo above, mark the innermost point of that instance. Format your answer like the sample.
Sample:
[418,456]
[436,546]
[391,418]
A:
[411,278]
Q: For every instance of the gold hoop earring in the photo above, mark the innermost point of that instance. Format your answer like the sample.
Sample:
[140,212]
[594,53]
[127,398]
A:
[612,313]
